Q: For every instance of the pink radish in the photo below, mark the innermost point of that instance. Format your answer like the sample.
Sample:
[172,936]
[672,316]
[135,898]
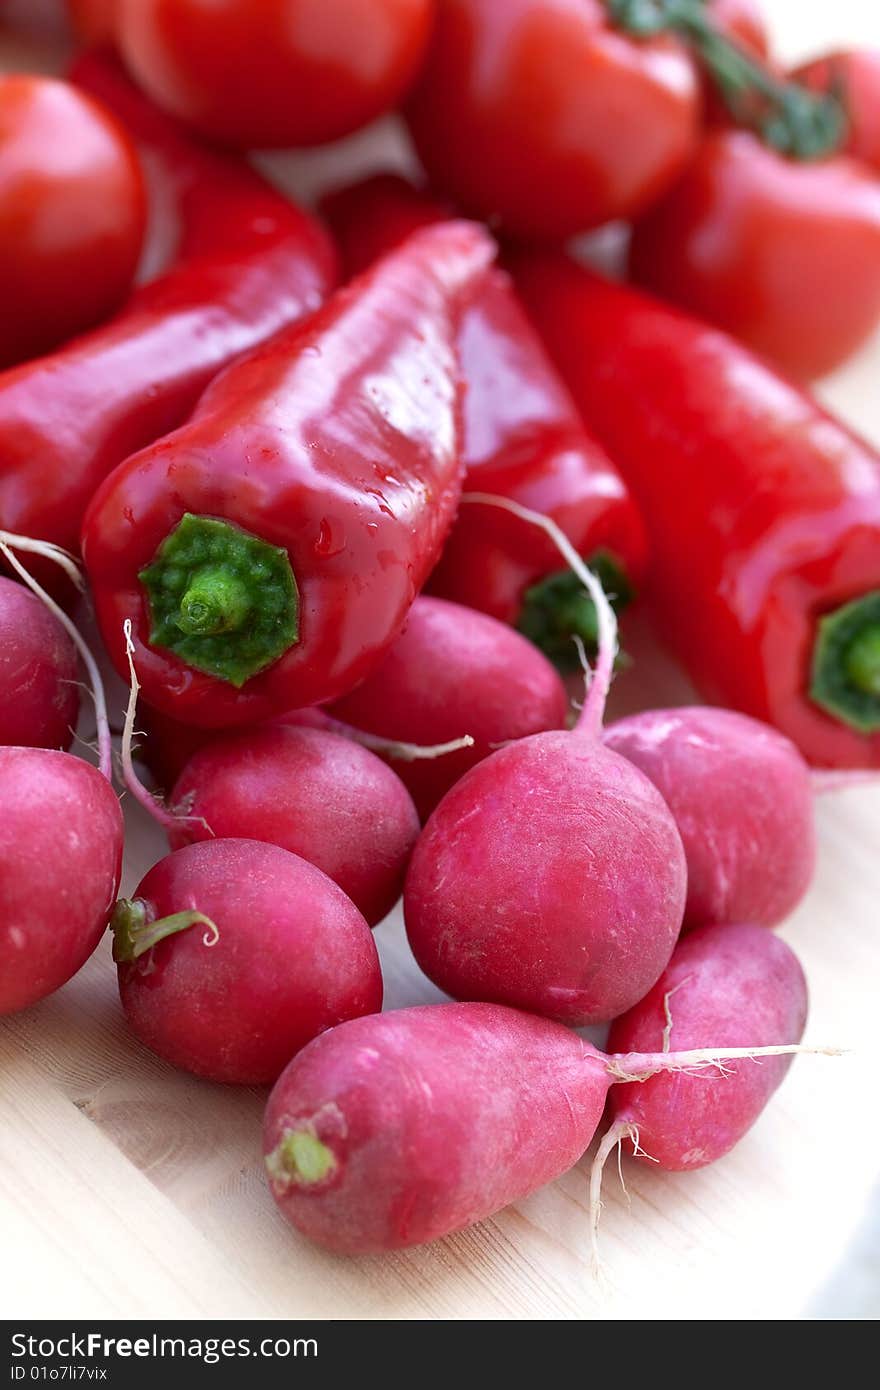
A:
[742,798]
[233,954]
[730,986]
[312,792]
[552,876]
[39,697]
[60,845]
[455,671]
[167,745]
[399,1128]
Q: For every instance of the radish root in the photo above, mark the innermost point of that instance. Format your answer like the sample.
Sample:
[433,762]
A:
[842,779]
[612,1139]
[392,748]
[639,1066]
[590,720]
[152,804]
[8,545]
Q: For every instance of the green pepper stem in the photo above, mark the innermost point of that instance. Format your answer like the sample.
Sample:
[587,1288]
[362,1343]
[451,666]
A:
[787,116]
[846,663]
[216,601]
[863,660]
[221,599]
[134,934]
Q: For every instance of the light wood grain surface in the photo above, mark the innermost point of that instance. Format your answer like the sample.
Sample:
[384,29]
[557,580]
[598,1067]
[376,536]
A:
[128,1189]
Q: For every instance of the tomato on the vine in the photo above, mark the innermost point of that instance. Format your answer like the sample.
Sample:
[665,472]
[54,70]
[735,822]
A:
[742,20]
[72,214]
[854,76]
[93,20]
[274,73]
[785,254]
[542,115]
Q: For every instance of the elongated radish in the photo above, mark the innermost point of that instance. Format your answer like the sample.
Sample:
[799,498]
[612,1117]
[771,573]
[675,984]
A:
[742,798]
[552,876]
[60,845]
[39,697]
[454,671]
[233,954]
[399,1128]
[310,791]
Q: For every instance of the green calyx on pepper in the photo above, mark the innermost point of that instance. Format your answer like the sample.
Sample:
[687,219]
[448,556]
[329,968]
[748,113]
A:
[846,663]
[558,608]
[789,118]
[221,599]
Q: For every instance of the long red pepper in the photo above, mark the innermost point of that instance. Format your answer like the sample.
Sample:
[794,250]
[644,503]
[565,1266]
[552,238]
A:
[763,511]
[248,263]
[268,551]
[523,439]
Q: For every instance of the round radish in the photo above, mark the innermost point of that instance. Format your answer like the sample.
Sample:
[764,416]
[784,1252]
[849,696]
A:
[728,986]
[552,876]
[309,791]
[60,836]
[742,798]
[60,860]
[167,745]
[396,1129]
[234,954]
[39,696]
[453,671]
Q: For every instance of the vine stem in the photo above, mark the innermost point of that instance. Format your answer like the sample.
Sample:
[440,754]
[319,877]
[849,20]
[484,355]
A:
[9,543]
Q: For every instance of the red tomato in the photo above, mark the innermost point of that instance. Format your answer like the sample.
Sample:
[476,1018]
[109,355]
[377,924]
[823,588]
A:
[743,20]
[72,214]
[274,72]
[539,114]
[856,75]
[783,254]
[93,20]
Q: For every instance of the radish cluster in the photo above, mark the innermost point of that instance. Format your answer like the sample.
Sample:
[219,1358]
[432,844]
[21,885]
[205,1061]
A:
[549,885]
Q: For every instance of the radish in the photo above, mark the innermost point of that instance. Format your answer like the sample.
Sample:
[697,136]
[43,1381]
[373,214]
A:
[233,954]
[731,985]
[552,876]
[60,842]
[315,793]
[39,697]
[167,745]
[399,1128]
[742,798]
[455,671]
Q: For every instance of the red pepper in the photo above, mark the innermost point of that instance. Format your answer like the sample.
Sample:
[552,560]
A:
[523,439]
[762,510]
[268,551]
[249,262]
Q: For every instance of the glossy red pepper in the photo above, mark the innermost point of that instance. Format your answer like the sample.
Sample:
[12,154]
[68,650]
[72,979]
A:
[523,439]
[268,551]
[248,263]
[762,510]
